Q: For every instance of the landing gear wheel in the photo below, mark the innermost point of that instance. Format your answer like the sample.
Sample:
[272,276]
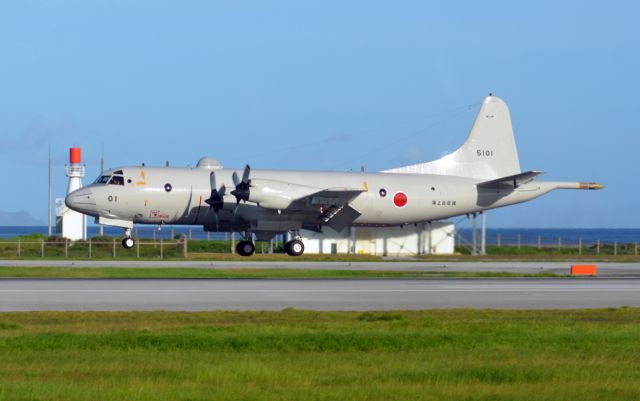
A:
[245,248]
[128,242]
[294,248]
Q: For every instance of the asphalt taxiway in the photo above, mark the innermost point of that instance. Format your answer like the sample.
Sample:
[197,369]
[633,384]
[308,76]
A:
[249,294]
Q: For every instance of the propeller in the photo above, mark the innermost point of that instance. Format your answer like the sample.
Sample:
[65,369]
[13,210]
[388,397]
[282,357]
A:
[216,199]
[242,186]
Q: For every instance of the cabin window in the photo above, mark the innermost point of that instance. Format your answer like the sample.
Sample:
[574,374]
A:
[382,192]
[103,179]
[117,180]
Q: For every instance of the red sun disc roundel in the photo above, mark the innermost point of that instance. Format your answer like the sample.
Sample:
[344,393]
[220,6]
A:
[400,199]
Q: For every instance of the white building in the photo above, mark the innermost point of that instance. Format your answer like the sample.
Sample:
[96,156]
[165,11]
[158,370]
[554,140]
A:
[419,239]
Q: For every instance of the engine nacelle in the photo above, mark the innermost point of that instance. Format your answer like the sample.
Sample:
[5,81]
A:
[273,194]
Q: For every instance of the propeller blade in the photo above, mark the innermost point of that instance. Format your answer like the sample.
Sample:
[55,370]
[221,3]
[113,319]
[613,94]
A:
[212,180]
[236,181]
[245,174]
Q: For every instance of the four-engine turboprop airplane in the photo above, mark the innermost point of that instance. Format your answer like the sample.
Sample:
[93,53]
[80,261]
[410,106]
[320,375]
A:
[482,174]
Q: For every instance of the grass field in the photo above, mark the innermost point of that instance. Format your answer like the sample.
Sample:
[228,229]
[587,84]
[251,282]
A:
[180,272]
[299,355]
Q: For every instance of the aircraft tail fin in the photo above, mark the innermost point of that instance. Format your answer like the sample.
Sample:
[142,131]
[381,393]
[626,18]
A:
[488,153]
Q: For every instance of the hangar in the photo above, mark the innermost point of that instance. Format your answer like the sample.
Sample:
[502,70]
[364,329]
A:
[408,240]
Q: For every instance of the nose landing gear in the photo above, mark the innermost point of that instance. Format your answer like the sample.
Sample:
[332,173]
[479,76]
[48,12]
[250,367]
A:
[128,242]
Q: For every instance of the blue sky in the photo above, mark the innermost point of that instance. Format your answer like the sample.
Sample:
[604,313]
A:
[328,85]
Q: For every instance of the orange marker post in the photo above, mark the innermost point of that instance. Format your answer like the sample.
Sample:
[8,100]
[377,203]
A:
[584,270]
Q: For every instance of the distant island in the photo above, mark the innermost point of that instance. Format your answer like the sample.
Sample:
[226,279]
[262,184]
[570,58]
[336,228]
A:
[19,218]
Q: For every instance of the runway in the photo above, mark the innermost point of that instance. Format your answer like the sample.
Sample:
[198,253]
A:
[231,294]
[561,268]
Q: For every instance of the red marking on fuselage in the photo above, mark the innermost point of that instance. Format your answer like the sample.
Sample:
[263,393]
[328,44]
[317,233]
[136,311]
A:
[400,199]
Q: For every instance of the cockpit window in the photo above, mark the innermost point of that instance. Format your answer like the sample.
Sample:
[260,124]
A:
[117,180]
[118,172]
[103,179]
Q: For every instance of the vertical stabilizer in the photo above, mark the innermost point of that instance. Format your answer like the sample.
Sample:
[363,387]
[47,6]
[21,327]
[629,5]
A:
[488,153]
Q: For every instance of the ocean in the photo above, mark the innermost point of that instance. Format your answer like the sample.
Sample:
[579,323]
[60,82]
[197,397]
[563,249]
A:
[506,236]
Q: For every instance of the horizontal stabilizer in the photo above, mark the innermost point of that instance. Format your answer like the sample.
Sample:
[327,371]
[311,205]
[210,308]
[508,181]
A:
[511,181]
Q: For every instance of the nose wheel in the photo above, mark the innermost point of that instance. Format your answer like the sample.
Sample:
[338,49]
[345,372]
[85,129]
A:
[128,242]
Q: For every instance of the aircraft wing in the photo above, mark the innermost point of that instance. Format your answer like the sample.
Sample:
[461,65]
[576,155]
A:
[333,204]
[511,181]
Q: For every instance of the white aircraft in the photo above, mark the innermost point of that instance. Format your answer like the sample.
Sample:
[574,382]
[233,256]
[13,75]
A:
[484,173]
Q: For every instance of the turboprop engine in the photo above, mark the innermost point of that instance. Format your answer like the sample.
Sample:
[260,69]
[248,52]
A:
[273,194]
[270,194]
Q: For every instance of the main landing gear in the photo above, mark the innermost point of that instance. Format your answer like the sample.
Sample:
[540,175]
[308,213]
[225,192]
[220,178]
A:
[295,247]
[246,246]
[128,242]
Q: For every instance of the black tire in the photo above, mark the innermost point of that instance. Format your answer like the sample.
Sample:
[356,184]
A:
[245,248]
[128,242]
[294,248]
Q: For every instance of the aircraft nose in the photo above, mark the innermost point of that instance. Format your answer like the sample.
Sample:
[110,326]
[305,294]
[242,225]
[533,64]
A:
[81,200]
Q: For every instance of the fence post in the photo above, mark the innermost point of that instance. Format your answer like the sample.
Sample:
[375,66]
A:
[598,247]
[184,247]
[233,242]
[635,249]
[18,248]
[138,248]
[190,233]
[519,240]
[579,246]
[66,248]
[615,248]
[208,235]
[114,248]
[559,243]
[42,248]
[498,239]
[161,253]
[89,248]
[539,242]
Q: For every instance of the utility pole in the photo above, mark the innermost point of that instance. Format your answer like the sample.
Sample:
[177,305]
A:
[101,170]
[483,236]
[50,195]
[474,235]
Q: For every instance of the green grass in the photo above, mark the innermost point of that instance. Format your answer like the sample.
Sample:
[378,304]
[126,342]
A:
[301,355]
[179,272]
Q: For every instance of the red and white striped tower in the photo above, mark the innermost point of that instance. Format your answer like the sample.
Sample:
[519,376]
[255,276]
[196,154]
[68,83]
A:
[74,224]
